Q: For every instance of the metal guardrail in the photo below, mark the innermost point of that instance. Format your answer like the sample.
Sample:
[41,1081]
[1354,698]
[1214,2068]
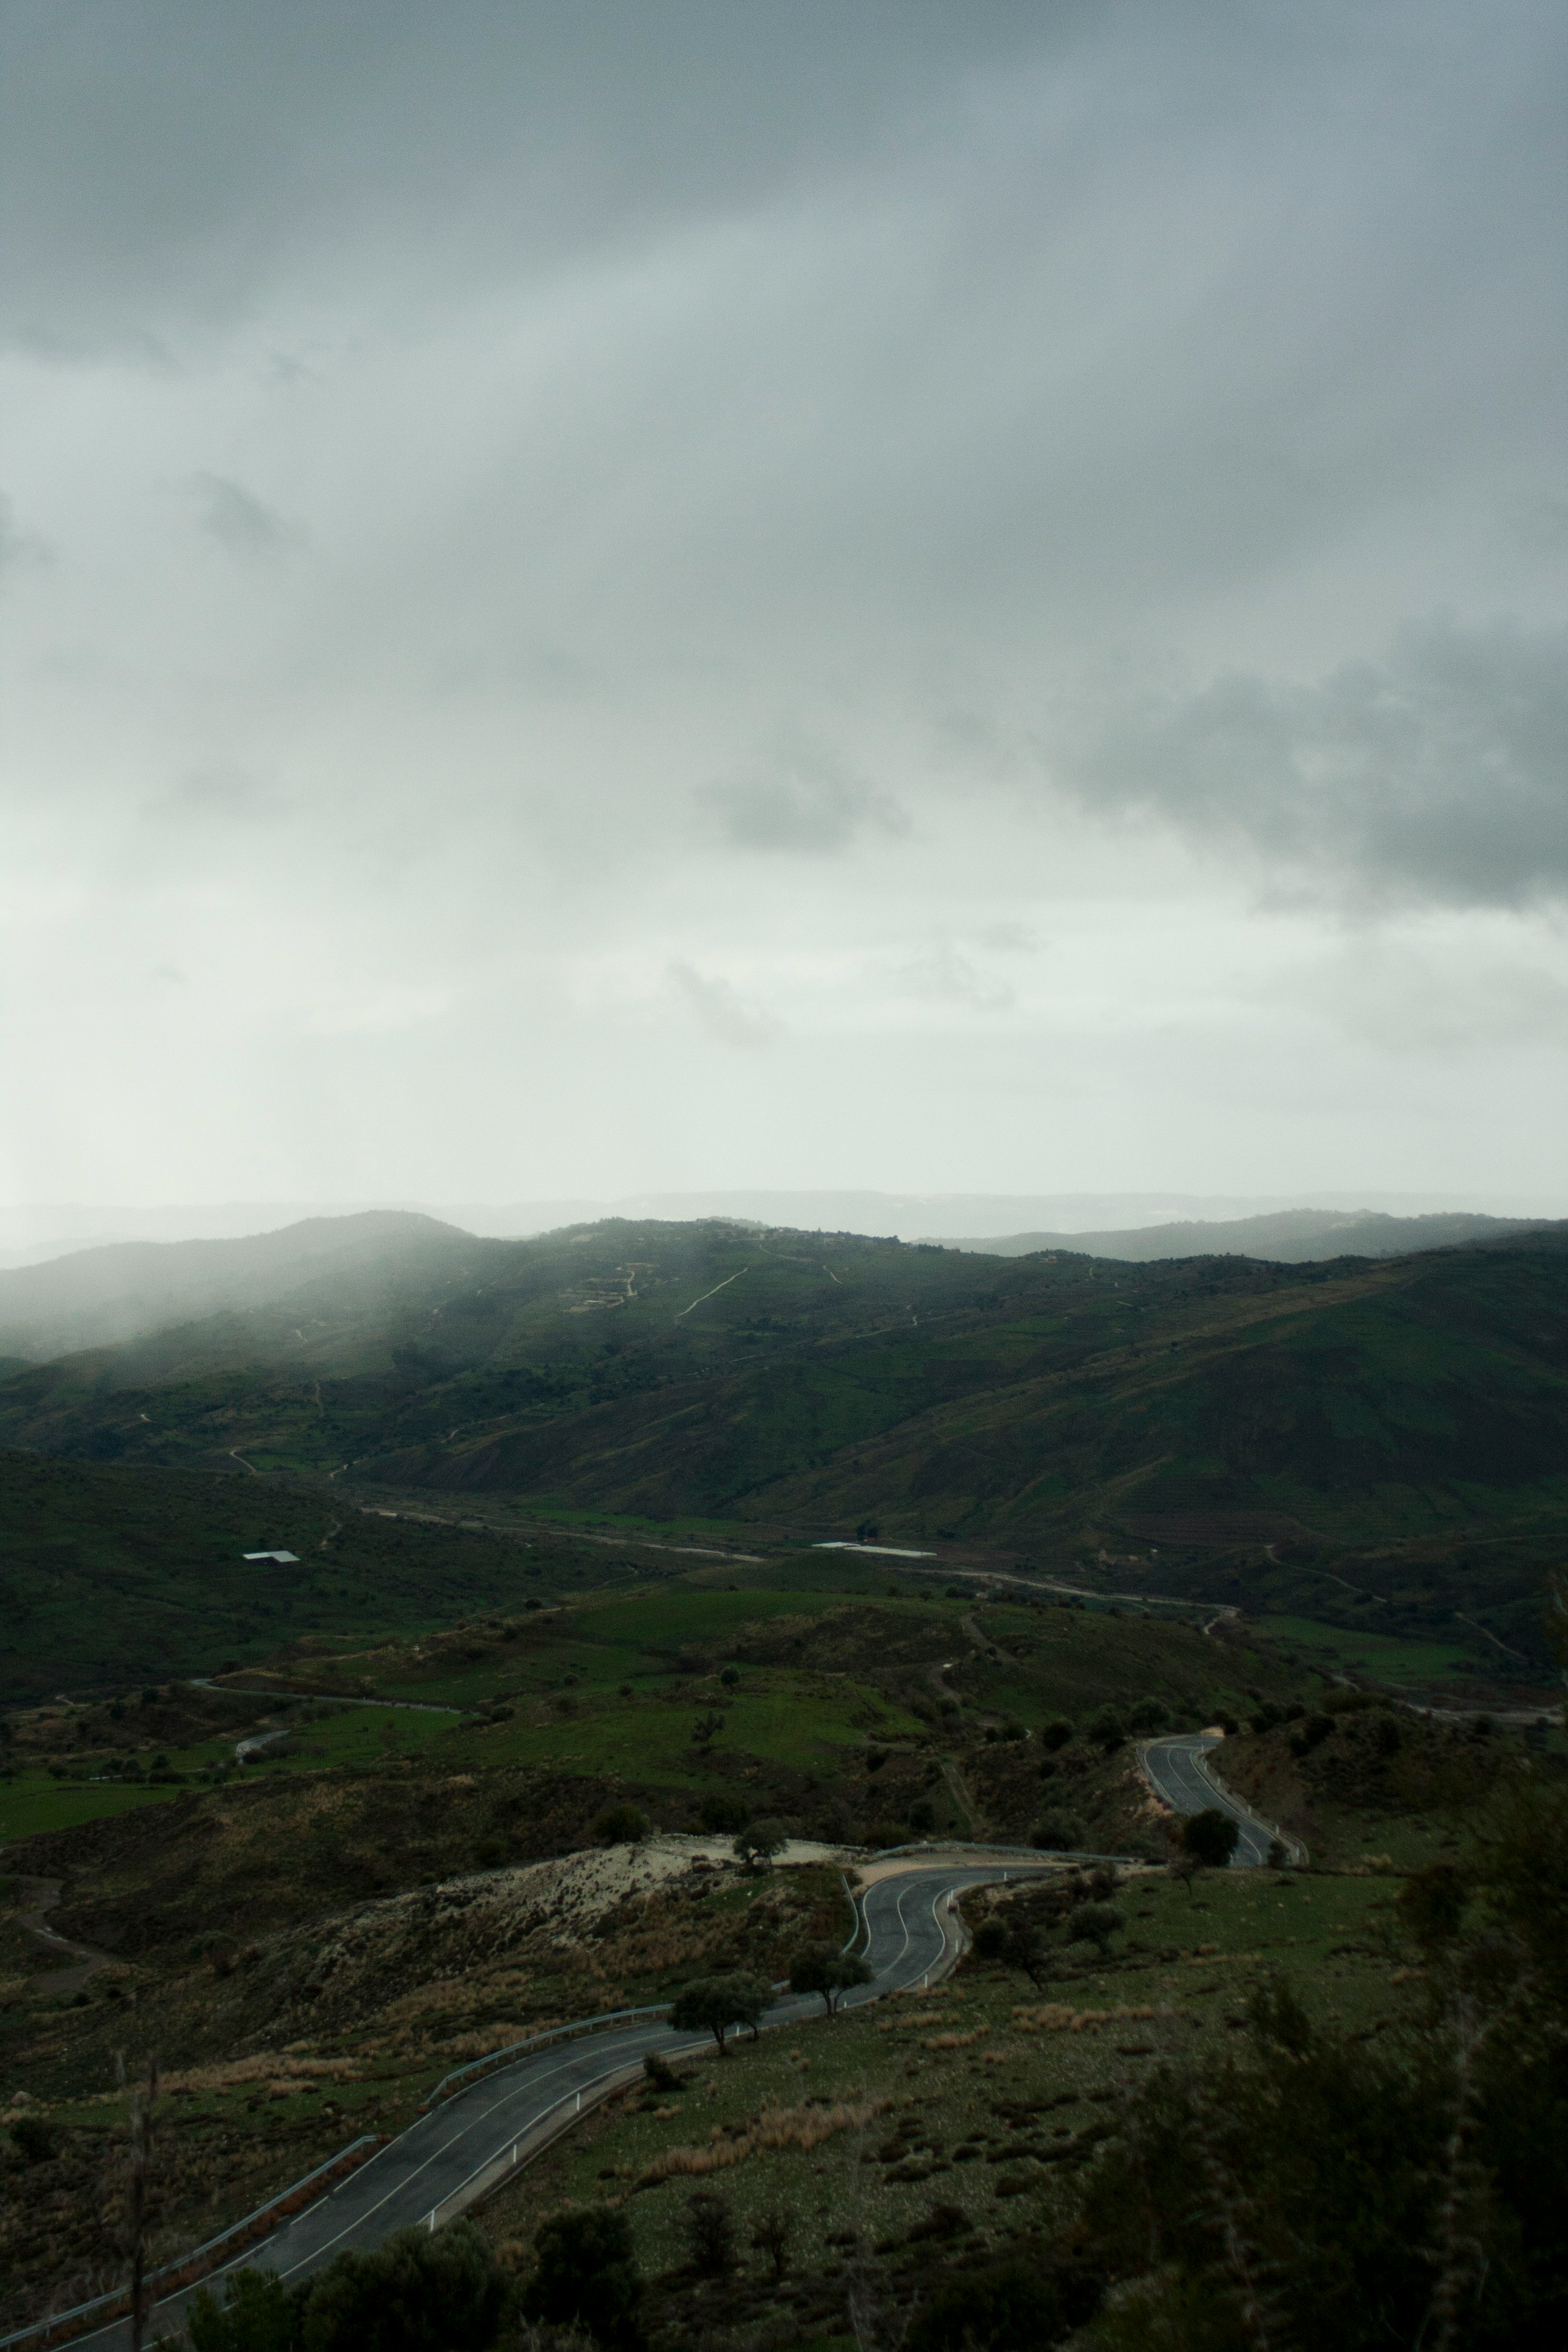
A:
[1039,1853]
[197,2261]
[477,2067]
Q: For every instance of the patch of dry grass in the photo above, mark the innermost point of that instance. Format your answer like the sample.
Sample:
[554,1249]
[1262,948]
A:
[775,2129]
[1062,2017]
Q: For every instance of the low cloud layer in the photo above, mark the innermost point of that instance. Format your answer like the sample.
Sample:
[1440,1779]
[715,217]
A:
[1013,558]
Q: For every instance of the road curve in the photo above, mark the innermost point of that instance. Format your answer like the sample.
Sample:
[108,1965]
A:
[909,1934]
[1174,1770]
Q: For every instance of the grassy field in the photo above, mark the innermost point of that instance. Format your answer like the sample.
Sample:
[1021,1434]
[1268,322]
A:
[117,1576]
[779,1717]
[360,1735]
[1381,1657]
[32,1803]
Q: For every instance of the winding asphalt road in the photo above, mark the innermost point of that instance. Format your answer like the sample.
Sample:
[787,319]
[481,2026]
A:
[909,1933]
[1175,1771]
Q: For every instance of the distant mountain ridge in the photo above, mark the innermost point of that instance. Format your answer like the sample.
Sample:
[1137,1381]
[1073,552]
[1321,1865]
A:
[30,1233]
[1285,1237]
[124,1290]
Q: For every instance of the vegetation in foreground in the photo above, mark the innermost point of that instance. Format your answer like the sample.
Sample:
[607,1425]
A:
[307,1944]
[1269,2110]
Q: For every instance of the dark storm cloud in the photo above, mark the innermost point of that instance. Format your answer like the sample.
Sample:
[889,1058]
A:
[576,530]
[162,165]
[1438,775]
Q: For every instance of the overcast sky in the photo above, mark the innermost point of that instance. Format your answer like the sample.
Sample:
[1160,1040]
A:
[935,596]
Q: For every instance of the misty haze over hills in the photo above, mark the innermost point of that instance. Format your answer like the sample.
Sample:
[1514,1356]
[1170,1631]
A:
[122,1291]
[34,1233]
[811,1381]
[1288,1237]
[94,1297]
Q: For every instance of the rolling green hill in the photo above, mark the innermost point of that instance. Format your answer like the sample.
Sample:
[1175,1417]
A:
[1288,1236]
[812,1383]
[94,1297]
[116,1576]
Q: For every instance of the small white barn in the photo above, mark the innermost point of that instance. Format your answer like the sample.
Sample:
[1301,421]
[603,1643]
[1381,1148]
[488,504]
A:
[285,1558]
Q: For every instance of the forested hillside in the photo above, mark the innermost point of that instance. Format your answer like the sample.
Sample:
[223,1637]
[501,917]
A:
[704,1369]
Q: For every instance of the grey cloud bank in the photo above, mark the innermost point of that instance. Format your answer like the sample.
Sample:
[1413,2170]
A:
[1011,560]
[1438,774]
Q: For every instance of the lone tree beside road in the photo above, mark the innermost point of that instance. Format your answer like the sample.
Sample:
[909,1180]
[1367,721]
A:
[823,1970]
[758,1844]
[1210,1837]
[712,2004]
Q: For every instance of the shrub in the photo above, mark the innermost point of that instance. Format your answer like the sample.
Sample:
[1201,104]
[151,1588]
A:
[1106,1729]
[257,2313]
[1057,1734]
[723,1811]
[729,1677]
[585,2276]
[420,2292]
[1057,1833]
[621,1825]
[33,2139]
[1149,1715]
[1012,2305]
[659,2074]
[1210,1837]
[710,2234]
[922,1815]
[1431,1904]
[770,2234]
[1095,1923]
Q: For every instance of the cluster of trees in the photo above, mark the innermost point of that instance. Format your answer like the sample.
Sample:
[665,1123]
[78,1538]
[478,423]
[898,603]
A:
[443,2292]
[716,2004]
[1030,1930]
